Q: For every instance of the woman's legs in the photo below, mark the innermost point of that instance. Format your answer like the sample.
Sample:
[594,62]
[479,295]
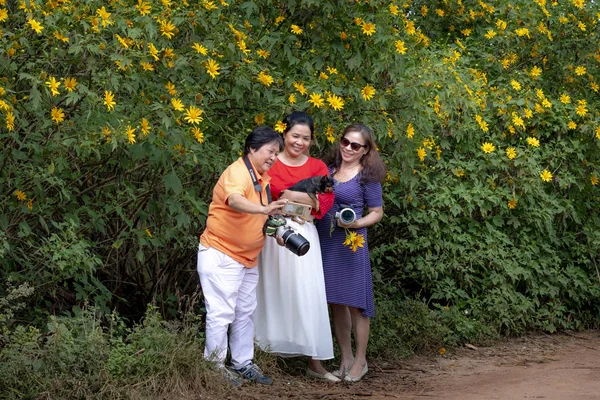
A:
[342,327]
[361,326]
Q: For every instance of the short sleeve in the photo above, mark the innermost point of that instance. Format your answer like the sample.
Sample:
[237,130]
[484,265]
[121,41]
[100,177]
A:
[319,168]
[373,194]
[235,182]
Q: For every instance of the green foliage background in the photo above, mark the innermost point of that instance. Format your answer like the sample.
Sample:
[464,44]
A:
[105,203]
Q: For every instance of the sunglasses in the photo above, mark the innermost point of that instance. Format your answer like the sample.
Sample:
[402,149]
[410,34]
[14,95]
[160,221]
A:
[353,145]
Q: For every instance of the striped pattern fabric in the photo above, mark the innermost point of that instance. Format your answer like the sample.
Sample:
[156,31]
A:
[348,277]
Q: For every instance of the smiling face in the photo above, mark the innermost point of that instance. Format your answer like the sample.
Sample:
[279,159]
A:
[297,140]
[264,157]
[351,156]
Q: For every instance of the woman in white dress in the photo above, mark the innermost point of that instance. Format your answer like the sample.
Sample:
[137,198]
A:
[292,318]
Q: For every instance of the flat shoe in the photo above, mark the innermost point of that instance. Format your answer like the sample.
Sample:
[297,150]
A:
[328,376]
[350,378]
[338,372]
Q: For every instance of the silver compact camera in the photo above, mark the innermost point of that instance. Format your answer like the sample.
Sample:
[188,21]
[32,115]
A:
[346,214]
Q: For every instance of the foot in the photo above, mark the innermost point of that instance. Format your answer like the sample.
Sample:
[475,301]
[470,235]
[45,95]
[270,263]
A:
[328,376]
[343,370]
[251,372]
[350,377]
[234,379]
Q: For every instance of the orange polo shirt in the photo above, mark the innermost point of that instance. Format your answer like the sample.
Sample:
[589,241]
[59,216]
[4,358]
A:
[237,234]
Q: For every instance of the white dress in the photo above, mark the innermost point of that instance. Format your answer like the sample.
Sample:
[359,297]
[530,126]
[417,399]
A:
[291,317]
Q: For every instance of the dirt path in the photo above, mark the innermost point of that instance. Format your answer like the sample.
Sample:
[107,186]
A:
[553,367]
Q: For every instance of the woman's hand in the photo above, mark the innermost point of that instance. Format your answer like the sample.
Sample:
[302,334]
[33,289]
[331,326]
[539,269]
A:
[374,216]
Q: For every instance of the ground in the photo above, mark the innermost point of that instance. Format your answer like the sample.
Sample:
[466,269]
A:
[562,366]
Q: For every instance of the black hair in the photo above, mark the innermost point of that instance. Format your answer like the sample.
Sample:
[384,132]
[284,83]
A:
[299,118]
[259,137]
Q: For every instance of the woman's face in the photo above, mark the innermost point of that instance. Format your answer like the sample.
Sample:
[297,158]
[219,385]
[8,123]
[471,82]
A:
[353,139]
[297,140]
[264,157]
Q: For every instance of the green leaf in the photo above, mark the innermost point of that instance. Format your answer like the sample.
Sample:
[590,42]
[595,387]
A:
[172,182]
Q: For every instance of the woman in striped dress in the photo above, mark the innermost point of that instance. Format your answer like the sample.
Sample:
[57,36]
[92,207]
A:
[358,171]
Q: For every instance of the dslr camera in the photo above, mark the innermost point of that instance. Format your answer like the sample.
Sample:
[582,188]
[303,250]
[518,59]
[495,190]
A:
[276,225]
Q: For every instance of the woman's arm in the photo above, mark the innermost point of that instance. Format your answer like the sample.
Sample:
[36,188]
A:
[374,216]
[242,204]
[298,197]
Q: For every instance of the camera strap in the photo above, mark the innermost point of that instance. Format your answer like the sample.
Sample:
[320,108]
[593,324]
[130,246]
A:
[255,183]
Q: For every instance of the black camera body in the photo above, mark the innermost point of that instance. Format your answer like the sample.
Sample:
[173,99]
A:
[276,225]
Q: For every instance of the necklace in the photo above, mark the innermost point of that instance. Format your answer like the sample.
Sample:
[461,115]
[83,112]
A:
[342,176]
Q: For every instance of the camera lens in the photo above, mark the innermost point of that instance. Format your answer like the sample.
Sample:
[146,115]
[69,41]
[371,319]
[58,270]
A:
[294,242]
[347,215]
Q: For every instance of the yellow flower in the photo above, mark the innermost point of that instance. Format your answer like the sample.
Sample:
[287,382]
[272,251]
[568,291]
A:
[400,48]
[323,75]
[597,129]
[368,28]
[263,53]
[594,86]
[571,125]
[533,142]
[410,28]
[565,99]
[490,34]
[581,109]
[410,131]
[104,16]
[30,204]
[512,203]
[130,134]
[167,29]
[522,32]
[171,89]
[193,115]
[424,10]
[354,240]
[58,36]
[332,70]
[299,86]
[482,123]
[265,78]
[501,25]
[70,84]
[177,104]
[280,126]
[292,98]
[58,115]
[336,102]
[198,134]
[440,12]
[143,7]
[535,72]
[516,85]
[200,49]
[546,175]
[146,66]
[259,119]
[487,147]
[279,20]
[580,70]
[20,195]
[394,9]
[10,121]
[3,13]
[109,100]
[316,100]
[36,26]
[421,153]
[593,179]
[511,153]
[528,113]
[145,127]
[518,121]
[153,51]
[368,92]
[212,68]
[53,84]
[296,30]
[442,351]
[148,233]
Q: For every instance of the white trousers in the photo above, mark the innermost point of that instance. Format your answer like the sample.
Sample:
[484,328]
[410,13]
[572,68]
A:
[229,291]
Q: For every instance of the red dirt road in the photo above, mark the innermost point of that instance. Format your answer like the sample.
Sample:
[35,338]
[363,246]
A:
[564,366]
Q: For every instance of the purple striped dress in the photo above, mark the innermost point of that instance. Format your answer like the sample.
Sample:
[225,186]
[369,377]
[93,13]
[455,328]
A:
[348,277]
